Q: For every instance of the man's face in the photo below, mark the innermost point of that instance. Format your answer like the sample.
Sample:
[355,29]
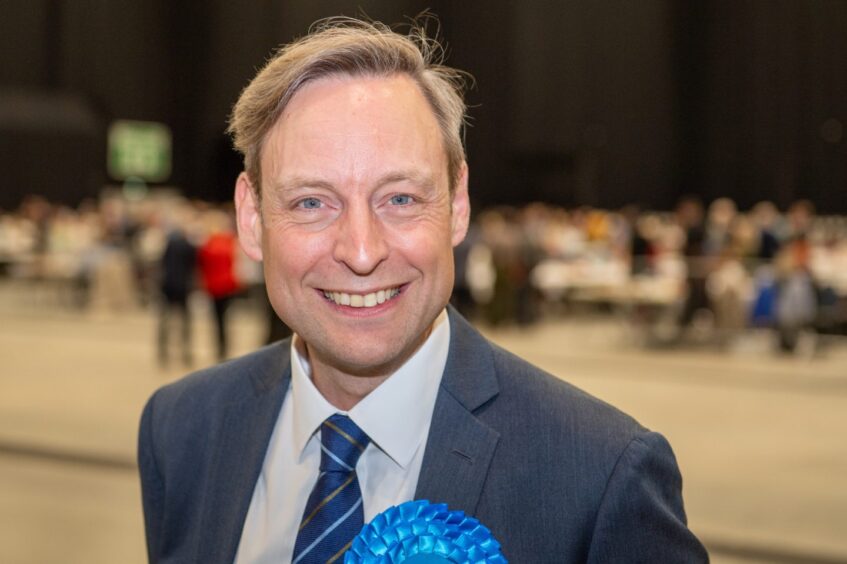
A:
[357,224]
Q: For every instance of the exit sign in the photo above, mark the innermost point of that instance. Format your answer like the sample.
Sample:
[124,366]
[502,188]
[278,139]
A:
[139,149]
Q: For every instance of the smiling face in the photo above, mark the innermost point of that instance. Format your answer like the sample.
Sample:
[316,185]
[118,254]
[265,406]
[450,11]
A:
[357,223]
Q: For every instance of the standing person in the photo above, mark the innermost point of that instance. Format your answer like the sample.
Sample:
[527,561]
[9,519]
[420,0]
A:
[689,215]
[354,194]
[217,269]
[796,291]
[177,271]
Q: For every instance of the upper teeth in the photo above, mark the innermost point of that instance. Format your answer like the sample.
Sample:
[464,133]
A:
[362,300]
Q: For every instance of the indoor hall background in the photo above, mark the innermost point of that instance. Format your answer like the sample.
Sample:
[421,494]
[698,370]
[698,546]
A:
[759,437]
[595,103]
[600,103]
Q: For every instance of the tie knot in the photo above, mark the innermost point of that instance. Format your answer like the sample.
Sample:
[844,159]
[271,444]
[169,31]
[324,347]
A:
[342,443]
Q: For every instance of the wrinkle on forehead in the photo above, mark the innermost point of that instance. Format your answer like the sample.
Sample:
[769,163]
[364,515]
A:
[295,182]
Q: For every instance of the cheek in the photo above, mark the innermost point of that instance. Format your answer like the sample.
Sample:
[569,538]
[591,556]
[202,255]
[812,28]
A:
[427,248]
[289,256]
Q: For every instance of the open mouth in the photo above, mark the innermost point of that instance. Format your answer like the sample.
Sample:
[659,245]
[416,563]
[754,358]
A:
[362,300]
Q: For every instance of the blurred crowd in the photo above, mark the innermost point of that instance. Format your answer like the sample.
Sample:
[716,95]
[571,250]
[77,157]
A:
[119,254]
[700,270]
[693,271]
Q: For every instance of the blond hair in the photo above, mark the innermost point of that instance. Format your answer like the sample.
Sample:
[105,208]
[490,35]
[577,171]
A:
[346,46]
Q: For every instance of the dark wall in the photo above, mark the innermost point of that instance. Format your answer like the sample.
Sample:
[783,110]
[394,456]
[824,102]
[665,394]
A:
[596,102]
[775,80]
[593,100]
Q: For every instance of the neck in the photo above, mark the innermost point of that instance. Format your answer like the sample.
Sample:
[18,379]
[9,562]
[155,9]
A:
[343,390]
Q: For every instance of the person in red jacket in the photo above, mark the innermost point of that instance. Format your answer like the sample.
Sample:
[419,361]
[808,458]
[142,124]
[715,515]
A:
[216,259]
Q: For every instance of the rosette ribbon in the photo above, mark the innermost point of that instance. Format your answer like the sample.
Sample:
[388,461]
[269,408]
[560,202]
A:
[420,532]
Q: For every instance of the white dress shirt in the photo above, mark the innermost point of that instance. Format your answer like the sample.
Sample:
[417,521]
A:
[396,416]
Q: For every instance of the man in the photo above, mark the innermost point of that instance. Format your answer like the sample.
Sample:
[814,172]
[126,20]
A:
[353,196]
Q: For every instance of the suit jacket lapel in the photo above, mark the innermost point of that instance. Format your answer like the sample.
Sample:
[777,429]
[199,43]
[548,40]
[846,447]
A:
[458,453]
[460,447]
[247,427]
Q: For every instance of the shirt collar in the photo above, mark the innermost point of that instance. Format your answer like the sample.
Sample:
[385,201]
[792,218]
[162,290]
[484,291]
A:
[396,415]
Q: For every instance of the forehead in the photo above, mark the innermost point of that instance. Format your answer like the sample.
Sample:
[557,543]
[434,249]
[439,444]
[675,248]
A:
[354,121]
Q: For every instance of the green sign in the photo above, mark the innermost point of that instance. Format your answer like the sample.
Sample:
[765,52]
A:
[140,149]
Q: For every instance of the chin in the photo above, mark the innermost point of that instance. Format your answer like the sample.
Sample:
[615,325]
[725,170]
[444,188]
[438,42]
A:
[368,361]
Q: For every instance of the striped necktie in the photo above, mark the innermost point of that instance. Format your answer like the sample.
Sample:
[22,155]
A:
[333,514]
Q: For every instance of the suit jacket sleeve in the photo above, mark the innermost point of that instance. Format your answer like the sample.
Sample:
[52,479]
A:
[641,516]
[152,487]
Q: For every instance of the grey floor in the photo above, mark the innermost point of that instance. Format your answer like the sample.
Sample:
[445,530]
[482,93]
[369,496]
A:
[760,438]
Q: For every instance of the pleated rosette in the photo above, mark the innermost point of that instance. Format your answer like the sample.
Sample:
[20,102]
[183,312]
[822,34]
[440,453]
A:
[420,532]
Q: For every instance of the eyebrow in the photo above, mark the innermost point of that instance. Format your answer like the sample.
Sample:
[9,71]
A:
[294,182]
[414,176]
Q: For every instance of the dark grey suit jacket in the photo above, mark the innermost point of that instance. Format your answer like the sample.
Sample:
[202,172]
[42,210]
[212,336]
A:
[557,475]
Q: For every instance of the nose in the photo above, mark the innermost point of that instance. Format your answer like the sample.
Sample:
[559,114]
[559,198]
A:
[361,242]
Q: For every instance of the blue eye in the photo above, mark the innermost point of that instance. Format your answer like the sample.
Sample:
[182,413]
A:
[401,200]
[309,203]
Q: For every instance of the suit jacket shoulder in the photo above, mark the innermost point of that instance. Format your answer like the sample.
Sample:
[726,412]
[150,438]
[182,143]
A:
[556,401]
[201,444]
[229,381]
[557,474]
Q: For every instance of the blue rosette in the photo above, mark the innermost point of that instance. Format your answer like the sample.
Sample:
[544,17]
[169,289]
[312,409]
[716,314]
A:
[420,532]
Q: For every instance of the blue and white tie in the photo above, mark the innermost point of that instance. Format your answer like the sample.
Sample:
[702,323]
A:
[333,514]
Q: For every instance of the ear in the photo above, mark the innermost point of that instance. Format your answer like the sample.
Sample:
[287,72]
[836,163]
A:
[461,207]
[248,217]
